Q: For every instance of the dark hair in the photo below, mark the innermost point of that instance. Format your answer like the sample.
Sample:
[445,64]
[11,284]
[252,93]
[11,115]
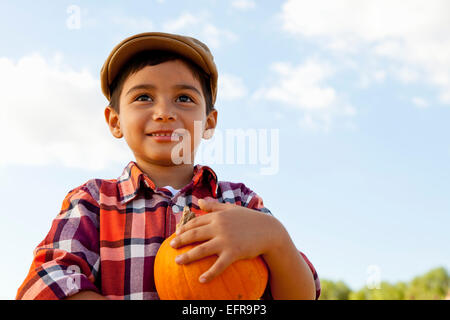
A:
[151,58]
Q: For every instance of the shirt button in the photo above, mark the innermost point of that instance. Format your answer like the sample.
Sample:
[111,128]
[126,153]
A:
[175,209]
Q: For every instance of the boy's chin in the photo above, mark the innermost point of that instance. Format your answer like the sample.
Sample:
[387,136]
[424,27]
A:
[166,161]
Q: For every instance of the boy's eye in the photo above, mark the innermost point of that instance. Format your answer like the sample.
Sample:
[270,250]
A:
[186,97]
[182,96]
[143,95]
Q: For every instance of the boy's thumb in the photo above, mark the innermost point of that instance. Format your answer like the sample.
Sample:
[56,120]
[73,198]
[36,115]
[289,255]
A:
[204,205]
[209,205]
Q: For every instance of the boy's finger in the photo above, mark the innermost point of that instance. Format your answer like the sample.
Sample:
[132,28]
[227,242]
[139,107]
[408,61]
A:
[222,262]
[198,234]
[200,251]
[212,205]
[194,223]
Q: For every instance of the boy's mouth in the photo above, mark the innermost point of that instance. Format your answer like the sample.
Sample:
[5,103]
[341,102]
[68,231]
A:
[164,135]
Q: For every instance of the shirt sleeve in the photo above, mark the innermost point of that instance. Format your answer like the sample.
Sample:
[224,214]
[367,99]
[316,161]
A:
[252,200]
[67,260]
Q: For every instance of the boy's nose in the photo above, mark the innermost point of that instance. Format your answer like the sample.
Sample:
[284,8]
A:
[163,117]
[163,112]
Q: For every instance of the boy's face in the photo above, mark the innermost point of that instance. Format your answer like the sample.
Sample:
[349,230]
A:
[162,107]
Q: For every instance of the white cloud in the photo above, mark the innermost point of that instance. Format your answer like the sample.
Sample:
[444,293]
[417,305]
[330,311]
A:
[231,87]
[300,86]
[214,36]
[309,123]
[379,75]
[198,25]
[412,35]
[133,23]
[366,79]
[51,113]
[420,102]
[444,97]
[303,87]
[406,74]
[243,4]
[184,21]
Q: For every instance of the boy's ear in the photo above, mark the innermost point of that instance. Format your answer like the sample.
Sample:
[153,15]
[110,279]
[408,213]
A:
[112,119]
[211,122]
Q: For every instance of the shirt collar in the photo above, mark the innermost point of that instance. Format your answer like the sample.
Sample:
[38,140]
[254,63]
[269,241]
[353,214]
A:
[132,179]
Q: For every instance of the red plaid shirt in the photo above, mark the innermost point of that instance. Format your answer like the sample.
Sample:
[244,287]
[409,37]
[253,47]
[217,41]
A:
[107,233]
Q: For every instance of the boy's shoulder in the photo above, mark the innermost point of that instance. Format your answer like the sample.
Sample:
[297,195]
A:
[238,192]
[92,188]
[227,192]
[230,189]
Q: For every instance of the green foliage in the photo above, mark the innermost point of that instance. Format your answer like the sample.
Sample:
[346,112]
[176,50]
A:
[386,291]
[334,290]
[432,285]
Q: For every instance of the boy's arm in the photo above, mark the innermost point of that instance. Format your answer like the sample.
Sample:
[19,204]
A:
[287,262]
[67,260]
[290,275]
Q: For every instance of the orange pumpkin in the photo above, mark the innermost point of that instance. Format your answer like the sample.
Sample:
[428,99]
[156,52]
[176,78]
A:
[242,280]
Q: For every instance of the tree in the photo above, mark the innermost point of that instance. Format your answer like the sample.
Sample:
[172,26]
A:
[386,291]
[432,285]
[334,290]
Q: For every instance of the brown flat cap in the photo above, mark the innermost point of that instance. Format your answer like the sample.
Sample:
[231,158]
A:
[189,47]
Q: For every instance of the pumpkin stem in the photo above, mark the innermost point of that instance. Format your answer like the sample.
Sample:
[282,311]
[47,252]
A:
[187,216]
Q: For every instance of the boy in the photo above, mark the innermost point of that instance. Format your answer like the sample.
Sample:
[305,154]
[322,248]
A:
[103,242]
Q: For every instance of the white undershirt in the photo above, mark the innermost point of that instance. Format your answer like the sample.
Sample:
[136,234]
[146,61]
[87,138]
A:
[171,189]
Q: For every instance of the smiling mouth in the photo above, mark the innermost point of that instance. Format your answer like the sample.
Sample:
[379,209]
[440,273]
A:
[165,137]
[163,134]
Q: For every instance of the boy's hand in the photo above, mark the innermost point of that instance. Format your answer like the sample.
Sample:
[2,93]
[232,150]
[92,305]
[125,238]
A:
[229,231]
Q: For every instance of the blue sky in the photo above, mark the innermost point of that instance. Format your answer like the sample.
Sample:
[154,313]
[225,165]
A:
[361,102]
